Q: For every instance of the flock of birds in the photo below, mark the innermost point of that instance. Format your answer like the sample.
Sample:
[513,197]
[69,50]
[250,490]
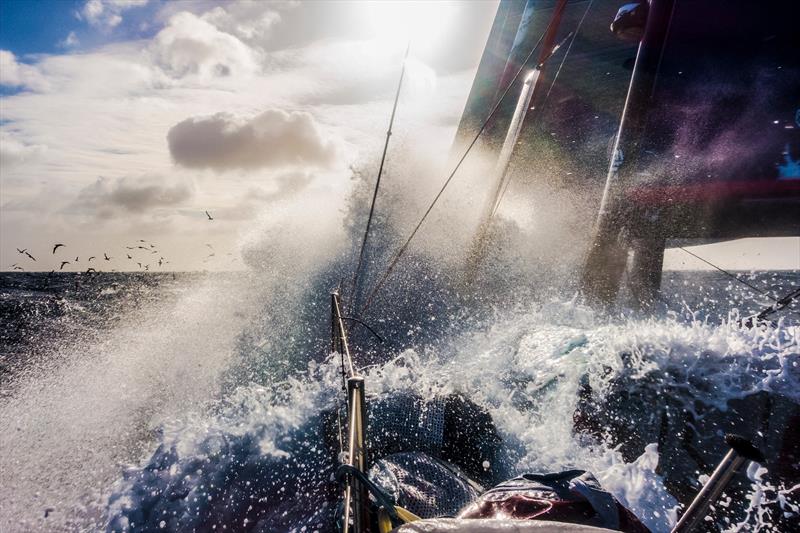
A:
[137,249]
[141,244]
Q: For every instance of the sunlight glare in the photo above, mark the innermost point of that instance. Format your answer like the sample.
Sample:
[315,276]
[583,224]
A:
[423,23]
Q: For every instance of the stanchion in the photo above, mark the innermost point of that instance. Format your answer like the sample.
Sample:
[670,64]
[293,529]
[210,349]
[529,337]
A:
[742,451]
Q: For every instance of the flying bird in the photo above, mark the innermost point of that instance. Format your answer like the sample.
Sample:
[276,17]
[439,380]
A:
[160,261]
[90,269]
[29,255]
[76,258]
[91,258]
[142,240]
[129,256]
[130,247]
[64,263]
[56,247]
[105,256]
[147,267]
[142,247]
[140,265]
[209,216]
[22,251]
[18,268]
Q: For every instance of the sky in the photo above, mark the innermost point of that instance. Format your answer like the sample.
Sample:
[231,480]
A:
[124,121]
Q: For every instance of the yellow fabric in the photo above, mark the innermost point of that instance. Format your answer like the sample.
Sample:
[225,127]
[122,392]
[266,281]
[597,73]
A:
[384,522]
[406,516]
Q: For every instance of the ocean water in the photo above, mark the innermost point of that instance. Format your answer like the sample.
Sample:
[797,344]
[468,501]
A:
[203,402]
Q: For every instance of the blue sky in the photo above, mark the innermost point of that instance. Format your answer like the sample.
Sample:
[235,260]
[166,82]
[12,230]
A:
[37,26]
[42,26]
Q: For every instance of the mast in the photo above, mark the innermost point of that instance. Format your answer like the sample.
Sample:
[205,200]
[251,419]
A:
[530,88]
[480,241]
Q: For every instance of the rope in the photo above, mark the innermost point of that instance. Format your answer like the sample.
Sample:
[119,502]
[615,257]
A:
[378,182]
[403,248]
[729,274]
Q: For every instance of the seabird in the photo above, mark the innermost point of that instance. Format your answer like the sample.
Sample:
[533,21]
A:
[22,251]
[130,247]
[209,216]
[29,255]
[56,247]
[90,269]
[64,263]
[140,265]
[161,261]
[91,258]
[147,267]
[105,256]
[129,256]
[18,268]
[76,258]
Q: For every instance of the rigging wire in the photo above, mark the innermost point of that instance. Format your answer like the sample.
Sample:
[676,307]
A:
[729,274]
[569,48]
[494,109]
[354,295]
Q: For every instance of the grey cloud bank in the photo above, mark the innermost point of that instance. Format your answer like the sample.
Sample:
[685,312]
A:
[132,194]
[272,139]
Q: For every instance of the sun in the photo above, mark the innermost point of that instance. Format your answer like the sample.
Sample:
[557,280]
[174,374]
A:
[423,24]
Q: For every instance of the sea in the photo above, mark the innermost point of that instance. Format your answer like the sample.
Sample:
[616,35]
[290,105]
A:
[203,401]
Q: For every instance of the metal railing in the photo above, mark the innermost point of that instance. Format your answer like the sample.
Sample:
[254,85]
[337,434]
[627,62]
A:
[356,497]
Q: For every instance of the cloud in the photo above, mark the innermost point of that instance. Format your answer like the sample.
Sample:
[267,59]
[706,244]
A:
[254,200]
[107,14]
[247,20]
[16,74]
[13,152]
[275,138]
[190,45]
[70,41]
[105,197]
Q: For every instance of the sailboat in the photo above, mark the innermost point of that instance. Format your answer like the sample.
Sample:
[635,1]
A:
[537,91]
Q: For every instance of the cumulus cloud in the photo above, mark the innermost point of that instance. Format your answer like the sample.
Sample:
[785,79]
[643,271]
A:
[14,152]
[274,138]
[190,45]
[105,197]
[248,20]
[107,14]
[16,74]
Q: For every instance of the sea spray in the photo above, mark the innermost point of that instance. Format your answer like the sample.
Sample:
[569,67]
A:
[508,367]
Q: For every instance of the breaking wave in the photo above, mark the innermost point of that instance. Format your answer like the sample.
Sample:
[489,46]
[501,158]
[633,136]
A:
[257,461]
